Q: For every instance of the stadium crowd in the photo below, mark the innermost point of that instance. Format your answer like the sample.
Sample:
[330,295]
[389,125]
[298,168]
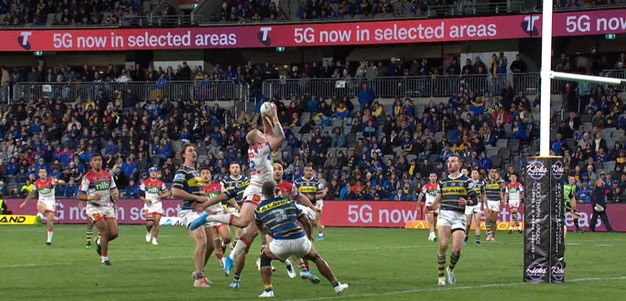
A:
[363,149]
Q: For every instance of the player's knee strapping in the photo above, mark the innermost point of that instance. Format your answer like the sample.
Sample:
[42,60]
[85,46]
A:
[265,261]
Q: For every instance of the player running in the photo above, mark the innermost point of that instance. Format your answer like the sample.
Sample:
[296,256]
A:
[98,189]
[474,212]
[310,186]
[494,193]
[429,191]
[150,193]
[215,229]
[291,231]
[46,204]
[261,170]
[514,194]
[188,187]
[456,192]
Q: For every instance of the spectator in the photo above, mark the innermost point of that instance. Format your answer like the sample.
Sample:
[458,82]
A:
[365,96]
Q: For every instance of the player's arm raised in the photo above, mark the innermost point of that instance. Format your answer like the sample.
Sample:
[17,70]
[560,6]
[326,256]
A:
[222,197]
[273,129]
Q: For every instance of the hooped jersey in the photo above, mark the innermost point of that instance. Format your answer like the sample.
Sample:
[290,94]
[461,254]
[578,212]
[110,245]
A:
[308,186]
[239,185]
[45,189]
[261,168]
[452,189]
[430,190]
[188,180]
[98,183]
[493,189]
[514,191]
[280,215]
[153,189]
[479,187]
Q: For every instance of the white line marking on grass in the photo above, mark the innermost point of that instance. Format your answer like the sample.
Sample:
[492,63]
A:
[467,287]
[386,248]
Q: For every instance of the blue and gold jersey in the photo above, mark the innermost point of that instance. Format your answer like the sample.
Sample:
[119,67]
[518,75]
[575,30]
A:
[280,216]
[188,180]
[307,186]
[493,190]
[479,187]
[238,185]
[454,188]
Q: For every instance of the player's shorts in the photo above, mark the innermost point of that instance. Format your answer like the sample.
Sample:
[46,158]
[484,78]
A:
[253,195]
[319,204]
[454,220]
[188,216]
[429,203]
[514,203]
[150,210]
[472,209]
[98,213]
[493,206]
[50,205]
[284,248]
[310,213]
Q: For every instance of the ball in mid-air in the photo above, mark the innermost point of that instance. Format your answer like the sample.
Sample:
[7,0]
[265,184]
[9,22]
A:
[266,107]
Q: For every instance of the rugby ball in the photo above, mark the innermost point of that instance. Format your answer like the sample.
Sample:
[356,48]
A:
[266,107]
[598,208]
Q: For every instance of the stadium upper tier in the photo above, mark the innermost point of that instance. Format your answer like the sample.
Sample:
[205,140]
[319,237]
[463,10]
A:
[166,13]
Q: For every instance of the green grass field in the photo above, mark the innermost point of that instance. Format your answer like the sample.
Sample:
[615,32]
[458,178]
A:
[378,264]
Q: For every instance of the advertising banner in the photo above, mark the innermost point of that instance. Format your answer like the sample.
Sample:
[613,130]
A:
[336,214]
[543,234]
[317,34]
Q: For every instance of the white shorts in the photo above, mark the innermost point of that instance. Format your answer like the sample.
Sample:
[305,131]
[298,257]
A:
[472,209]
[283,248]
[188,216]
[253,194]
[493,206]
[310,213]
[153,208]
[50,205]
[454,220]
[218,209]
[514,203]
[98,213]
[319,204]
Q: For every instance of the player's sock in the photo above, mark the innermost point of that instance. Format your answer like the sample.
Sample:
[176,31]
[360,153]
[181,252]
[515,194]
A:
[268,287]
[441,265]
[221,218]
[237,277]
[576,224]
[477,237]
[149,227]
[335,283]
[50,233]
[488,226]
[466,238]
[104,257]
[454,258]
[302,265]
[88,235]
[241,246]
[199,275]
[40,215]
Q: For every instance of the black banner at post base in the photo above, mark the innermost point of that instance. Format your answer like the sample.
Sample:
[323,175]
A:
[543,221]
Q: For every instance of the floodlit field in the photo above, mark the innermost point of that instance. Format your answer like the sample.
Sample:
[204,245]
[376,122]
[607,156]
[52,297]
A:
[378,264]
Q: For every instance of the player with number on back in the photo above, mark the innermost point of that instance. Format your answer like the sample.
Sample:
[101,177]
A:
[430,191]
[291,231]
[514,194]
[44,188]
[98,189]
[261,170]
[456,192]
[150,193]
